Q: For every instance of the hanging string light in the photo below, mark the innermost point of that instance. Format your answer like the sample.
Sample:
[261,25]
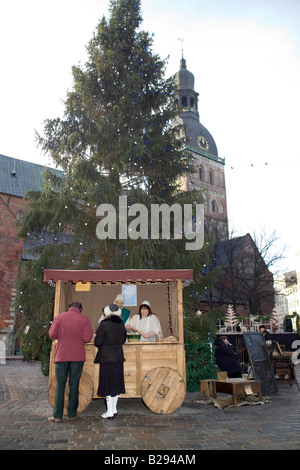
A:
[260,165]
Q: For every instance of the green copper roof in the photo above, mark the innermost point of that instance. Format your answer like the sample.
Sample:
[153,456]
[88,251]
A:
[18,176]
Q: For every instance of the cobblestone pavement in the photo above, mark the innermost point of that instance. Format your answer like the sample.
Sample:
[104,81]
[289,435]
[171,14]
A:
[25,408]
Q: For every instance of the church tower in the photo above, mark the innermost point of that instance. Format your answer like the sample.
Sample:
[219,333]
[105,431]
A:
[209,175]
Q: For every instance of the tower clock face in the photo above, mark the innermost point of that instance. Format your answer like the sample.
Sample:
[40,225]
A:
[202,142]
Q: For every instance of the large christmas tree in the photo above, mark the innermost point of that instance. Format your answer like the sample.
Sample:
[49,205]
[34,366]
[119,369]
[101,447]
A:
[117,137]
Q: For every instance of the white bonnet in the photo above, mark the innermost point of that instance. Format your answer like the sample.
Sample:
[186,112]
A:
[120,297]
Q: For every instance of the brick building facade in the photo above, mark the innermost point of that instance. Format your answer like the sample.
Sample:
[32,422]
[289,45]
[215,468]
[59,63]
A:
[16,178]
[10,255]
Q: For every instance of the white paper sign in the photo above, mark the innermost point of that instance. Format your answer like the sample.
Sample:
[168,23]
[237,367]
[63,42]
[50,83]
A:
[130,294]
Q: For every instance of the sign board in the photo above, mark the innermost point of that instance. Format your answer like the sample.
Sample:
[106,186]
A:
[260,361]
[130,294]
[82,286]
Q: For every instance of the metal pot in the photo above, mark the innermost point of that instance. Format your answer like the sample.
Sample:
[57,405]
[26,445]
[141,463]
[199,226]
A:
[133,337]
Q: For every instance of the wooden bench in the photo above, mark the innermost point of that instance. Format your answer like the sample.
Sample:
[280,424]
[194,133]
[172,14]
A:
[237,388]
[206,386]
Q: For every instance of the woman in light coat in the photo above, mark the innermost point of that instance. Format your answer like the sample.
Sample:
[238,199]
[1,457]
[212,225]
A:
[145,322]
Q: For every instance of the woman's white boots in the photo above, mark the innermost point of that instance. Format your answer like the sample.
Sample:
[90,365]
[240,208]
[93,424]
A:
[115,402]
[109,405]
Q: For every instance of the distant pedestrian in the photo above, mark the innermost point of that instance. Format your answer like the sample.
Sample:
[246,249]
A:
[72,330]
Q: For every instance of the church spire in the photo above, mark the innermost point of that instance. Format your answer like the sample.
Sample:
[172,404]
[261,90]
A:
[203,153]
[187,96]
[182,63]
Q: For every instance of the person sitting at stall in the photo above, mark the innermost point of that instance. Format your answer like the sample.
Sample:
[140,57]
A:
[265,332]
[226,358]
[119,302]
[271,345]
[144,322]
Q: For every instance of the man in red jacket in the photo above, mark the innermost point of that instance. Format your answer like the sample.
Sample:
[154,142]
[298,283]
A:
[72,330]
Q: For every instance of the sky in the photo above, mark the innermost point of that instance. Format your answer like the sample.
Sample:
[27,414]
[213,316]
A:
[245,57]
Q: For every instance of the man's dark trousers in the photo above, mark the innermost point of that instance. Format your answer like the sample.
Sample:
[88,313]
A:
[63,370]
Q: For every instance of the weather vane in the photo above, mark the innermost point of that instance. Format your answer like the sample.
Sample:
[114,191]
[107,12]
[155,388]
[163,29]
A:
[181,40]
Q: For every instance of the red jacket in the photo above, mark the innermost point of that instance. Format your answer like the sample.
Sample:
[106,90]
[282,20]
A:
[72,330]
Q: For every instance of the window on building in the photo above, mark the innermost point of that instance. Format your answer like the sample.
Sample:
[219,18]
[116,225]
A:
[201,173]
[20,213]
[211,177]
[213,206]
[184,101]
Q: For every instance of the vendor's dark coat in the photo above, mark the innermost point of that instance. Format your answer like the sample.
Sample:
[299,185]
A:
[110,336]
[267,335]
[226,358]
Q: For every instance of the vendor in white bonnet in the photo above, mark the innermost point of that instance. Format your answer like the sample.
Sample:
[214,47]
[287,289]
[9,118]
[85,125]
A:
[119,300]
[145,322]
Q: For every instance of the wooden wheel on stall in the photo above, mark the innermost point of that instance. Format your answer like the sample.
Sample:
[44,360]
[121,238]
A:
[86,389]
[163,390]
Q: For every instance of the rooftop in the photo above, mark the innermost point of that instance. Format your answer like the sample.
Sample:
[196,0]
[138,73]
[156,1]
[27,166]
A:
[19,176]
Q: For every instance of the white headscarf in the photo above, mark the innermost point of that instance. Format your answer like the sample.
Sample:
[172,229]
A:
[110,310]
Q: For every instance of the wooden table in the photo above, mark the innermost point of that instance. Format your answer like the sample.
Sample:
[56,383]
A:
[237,387]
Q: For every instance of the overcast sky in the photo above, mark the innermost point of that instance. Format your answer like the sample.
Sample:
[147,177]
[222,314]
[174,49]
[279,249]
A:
[245,56]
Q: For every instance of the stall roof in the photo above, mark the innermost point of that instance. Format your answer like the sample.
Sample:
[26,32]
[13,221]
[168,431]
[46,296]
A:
[123,275]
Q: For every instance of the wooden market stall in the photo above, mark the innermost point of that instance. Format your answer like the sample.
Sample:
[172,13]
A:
[154,371]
